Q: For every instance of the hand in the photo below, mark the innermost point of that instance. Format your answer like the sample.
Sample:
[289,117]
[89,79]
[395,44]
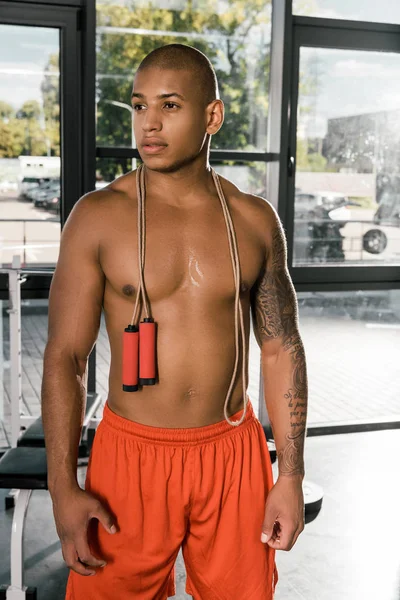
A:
[284,513]
[72,513]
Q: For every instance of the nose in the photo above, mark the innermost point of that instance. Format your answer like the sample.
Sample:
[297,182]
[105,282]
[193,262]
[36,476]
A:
[151,120]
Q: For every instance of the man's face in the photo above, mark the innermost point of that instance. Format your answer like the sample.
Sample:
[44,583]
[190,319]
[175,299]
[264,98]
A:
[169,118]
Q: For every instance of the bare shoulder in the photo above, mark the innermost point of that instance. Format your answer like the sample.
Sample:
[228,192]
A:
[268,215]
[258,210]
[123,185]
[94,210]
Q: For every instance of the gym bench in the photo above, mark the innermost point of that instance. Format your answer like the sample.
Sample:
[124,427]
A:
[24,469]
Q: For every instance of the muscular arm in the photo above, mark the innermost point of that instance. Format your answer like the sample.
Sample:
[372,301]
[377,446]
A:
[275,323]
[75,303]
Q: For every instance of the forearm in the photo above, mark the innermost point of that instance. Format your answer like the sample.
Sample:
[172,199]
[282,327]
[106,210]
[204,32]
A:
[63,408]
[286,396]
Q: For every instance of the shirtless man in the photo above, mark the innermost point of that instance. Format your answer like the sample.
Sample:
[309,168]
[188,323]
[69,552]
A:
[166,468]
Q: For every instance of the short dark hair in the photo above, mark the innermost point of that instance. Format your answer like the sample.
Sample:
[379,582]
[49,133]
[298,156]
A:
[182,57]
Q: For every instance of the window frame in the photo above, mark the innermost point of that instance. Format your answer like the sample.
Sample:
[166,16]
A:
[346,35]
[76,22]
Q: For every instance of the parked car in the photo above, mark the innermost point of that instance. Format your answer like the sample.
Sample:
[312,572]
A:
[41,196]
[34,193]
[324,234]
[317,237]
[306,203]
[29,183]
[379,242]
[53,204]
[318,221]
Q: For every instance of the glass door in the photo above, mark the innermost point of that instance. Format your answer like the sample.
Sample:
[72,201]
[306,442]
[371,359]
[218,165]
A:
[344,219]
[40,105]
[40,179]
[30,190]
[344,191]
[347,180]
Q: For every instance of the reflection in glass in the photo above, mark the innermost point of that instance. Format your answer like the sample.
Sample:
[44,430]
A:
[30,144]
[385,11]
[352,343]
[347,194]
[236,38]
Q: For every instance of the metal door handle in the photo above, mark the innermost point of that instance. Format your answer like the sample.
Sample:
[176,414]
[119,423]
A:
[290,165]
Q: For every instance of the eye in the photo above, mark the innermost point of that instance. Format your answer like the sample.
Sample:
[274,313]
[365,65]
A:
[171,105]
[137,107]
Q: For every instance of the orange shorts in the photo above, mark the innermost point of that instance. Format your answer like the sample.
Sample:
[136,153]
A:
[200,488]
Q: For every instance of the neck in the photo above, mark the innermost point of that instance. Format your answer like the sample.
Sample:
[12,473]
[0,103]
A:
[186,186]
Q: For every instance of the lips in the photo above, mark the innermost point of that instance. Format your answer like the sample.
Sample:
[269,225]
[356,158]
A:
[153,145]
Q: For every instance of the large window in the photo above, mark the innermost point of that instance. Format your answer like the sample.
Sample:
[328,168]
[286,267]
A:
[235,37]
[339,198]
[30,190]
[347,197]
[385,11]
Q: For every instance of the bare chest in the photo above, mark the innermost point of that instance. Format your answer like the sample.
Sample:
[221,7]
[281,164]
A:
[186,251]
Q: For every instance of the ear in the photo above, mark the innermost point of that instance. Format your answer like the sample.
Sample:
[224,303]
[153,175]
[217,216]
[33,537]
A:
[214,116]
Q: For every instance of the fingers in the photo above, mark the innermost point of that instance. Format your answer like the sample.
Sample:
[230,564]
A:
[85,556]
[269,523]
[73,521]
[76,551]
[274,539]
[283,539]
[71,559]
[100,513]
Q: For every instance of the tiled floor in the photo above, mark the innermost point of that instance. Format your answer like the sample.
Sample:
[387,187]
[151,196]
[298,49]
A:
[350,551]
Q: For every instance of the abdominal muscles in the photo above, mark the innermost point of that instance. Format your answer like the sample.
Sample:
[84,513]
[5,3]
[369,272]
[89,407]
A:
[195,360]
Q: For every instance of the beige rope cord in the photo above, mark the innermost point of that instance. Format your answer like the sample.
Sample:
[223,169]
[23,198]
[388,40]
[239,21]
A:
[141,192]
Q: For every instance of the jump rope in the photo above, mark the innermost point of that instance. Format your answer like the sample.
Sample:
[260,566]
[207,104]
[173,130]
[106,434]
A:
[139,339]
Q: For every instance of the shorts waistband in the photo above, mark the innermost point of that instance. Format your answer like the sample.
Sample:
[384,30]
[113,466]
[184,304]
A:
[177,435]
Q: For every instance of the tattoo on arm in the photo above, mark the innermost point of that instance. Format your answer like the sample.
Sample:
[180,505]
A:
[290,458]
[276,316]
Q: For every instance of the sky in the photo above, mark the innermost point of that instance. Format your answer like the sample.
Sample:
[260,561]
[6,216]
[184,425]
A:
[381,11]
[348,83]
[24,53]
